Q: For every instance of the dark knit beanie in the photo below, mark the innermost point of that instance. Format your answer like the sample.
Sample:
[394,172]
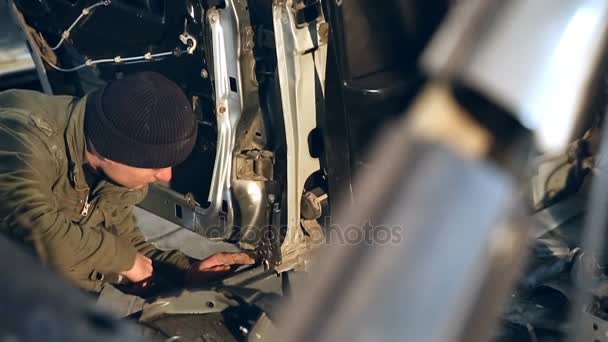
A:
[143,120]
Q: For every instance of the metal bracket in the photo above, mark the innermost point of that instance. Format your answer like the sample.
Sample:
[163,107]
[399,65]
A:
[236,100]
[187,39]
[255,165]
[187,302]
[301,57]
[183,211]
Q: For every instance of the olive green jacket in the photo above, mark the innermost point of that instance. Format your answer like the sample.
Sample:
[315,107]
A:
[45,202]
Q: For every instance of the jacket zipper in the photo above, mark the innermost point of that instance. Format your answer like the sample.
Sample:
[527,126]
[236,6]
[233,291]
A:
[87,205]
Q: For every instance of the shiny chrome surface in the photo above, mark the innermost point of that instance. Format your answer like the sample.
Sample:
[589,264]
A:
[538,59]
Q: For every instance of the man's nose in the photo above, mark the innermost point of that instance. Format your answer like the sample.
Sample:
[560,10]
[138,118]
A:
[164,175]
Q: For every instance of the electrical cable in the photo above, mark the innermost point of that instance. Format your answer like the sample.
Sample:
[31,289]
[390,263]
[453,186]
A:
[116,60]
[86,11]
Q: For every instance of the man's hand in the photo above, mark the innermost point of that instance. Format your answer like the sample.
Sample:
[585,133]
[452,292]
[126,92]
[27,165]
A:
[216,266]
[141,270]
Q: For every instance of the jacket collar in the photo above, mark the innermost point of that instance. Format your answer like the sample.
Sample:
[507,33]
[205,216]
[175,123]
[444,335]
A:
[76,151]
[75,143]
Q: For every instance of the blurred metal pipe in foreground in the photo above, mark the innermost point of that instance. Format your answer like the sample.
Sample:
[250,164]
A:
[455,257]
[537,59]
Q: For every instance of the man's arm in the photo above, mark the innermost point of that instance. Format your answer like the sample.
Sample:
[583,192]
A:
[130,231]
[29,206]
[196,271]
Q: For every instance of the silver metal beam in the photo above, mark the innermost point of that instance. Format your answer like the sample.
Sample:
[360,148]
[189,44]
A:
[301,57]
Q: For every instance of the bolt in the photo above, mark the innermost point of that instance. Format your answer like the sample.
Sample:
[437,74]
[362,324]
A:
[221,109]
[214,17]
[323,32]
[271,198]
[204,73]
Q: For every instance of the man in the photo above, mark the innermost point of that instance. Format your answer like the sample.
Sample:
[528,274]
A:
[71,171]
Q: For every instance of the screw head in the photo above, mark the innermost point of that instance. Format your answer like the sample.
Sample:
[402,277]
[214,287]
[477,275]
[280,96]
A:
[221,109]
[204,73]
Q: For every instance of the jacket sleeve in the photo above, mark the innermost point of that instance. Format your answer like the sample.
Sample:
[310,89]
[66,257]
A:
[129,230]
[29,207]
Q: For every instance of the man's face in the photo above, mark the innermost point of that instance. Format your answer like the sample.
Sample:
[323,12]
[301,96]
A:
[134,177]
